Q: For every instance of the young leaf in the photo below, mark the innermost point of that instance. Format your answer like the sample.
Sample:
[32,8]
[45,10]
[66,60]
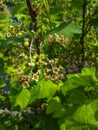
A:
[21,99]
[47,88]
[90,71]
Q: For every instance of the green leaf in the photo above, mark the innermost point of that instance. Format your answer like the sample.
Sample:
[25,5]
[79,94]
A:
[21,99]
[1,65]
[84,117]
[35,93]
[75,82]
[44,89]
[2,84]
[86,113]
[68,30]
[90,71]
[24,127]
[12,127]
[46,4]
[20,6]
[2,127]
[87,78]
[55,107]
[70,125]
[11,70]
[47,88]
[76,4]
[56,9]
[8,122]
[77,96]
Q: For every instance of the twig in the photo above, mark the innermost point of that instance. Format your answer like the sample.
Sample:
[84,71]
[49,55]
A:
[83,31]
[31,50]
[34,13]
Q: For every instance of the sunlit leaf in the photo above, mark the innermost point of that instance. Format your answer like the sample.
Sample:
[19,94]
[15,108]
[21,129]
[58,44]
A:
[21,99]
[47,88]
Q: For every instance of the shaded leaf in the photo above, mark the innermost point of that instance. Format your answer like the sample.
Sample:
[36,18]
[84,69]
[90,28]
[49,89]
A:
[77,96]
[75,82]
[76,4]
[68,30]
[55,107]
[2,127]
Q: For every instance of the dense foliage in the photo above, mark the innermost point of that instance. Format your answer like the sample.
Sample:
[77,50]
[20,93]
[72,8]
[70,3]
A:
[49,65]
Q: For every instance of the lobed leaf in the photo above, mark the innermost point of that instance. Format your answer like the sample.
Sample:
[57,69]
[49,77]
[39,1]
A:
[21,99]
[47,88]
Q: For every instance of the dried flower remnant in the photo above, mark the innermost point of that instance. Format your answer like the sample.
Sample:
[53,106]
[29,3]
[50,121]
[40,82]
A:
[61,76]
[51,62]
[43,63]
[26,39]
[61,67]
[19,71]
[22,54]
[15,66]
[56,60]
[50,39]
[26,42]
[35,77]
[62,39]
[32,64]
[11,27]
[25,84]
[55,37]
[47,77]
[48,70]
[56,70]
[66,40]
[39,71]
[44,105]
[17,80]
[54,77]
[25,78]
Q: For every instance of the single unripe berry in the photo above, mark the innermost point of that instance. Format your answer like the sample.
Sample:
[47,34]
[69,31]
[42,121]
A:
[20,34]
[25,57]
[26,43]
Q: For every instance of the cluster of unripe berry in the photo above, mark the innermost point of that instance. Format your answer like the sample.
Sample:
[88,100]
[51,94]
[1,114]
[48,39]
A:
[56,38]
[14,31]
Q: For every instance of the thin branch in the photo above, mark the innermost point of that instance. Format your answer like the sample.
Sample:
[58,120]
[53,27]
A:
[31,10]
[31,50]
[34,13]
[83,30]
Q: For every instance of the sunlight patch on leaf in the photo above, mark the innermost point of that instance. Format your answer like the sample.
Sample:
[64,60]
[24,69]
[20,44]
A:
[47,88]
[22,99]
